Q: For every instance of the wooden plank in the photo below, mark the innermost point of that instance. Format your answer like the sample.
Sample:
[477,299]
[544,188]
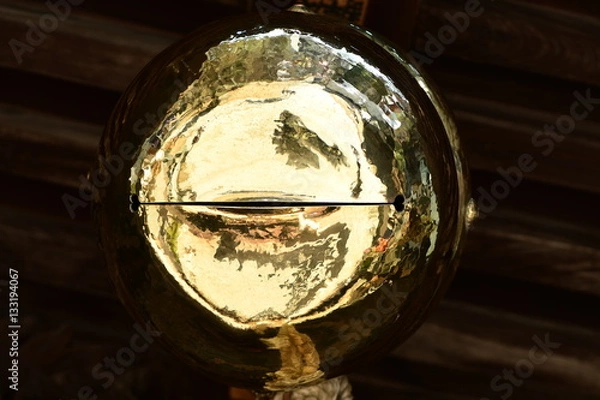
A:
[65,335]
[403,380]
[181,16]
[107,55]
[482,342]
[53,251]
[55,97]
[582,7]
[45,147]
[529,36]
[487,325]
[519,245]
[400,26]
[501,115]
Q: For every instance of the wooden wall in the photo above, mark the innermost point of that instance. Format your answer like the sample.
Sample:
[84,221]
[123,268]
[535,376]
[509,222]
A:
[531,267]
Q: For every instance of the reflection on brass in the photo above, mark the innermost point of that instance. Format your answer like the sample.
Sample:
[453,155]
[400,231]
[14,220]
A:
[331,126]
[267,269]
[299,360]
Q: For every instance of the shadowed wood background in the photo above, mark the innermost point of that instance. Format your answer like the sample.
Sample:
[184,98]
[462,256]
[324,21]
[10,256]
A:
[531,267]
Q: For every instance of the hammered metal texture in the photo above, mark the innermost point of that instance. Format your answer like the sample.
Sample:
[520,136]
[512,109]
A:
[303,108]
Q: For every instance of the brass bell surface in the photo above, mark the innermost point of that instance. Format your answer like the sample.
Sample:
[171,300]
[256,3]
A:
[254,223]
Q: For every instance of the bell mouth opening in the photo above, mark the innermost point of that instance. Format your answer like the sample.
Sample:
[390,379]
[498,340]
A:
[265,204]
[250,205]
[250,211]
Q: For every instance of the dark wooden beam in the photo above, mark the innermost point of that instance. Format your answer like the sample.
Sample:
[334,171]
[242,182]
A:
[396,20]
[107,56]
[558,40]
[45,147]
[503,114]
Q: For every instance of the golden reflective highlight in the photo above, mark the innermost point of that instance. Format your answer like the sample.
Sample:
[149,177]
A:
[257,145]
[300,361]
[263,270]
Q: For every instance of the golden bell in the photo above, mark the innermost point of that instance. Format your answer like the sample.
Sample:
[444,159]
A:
[293,201]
